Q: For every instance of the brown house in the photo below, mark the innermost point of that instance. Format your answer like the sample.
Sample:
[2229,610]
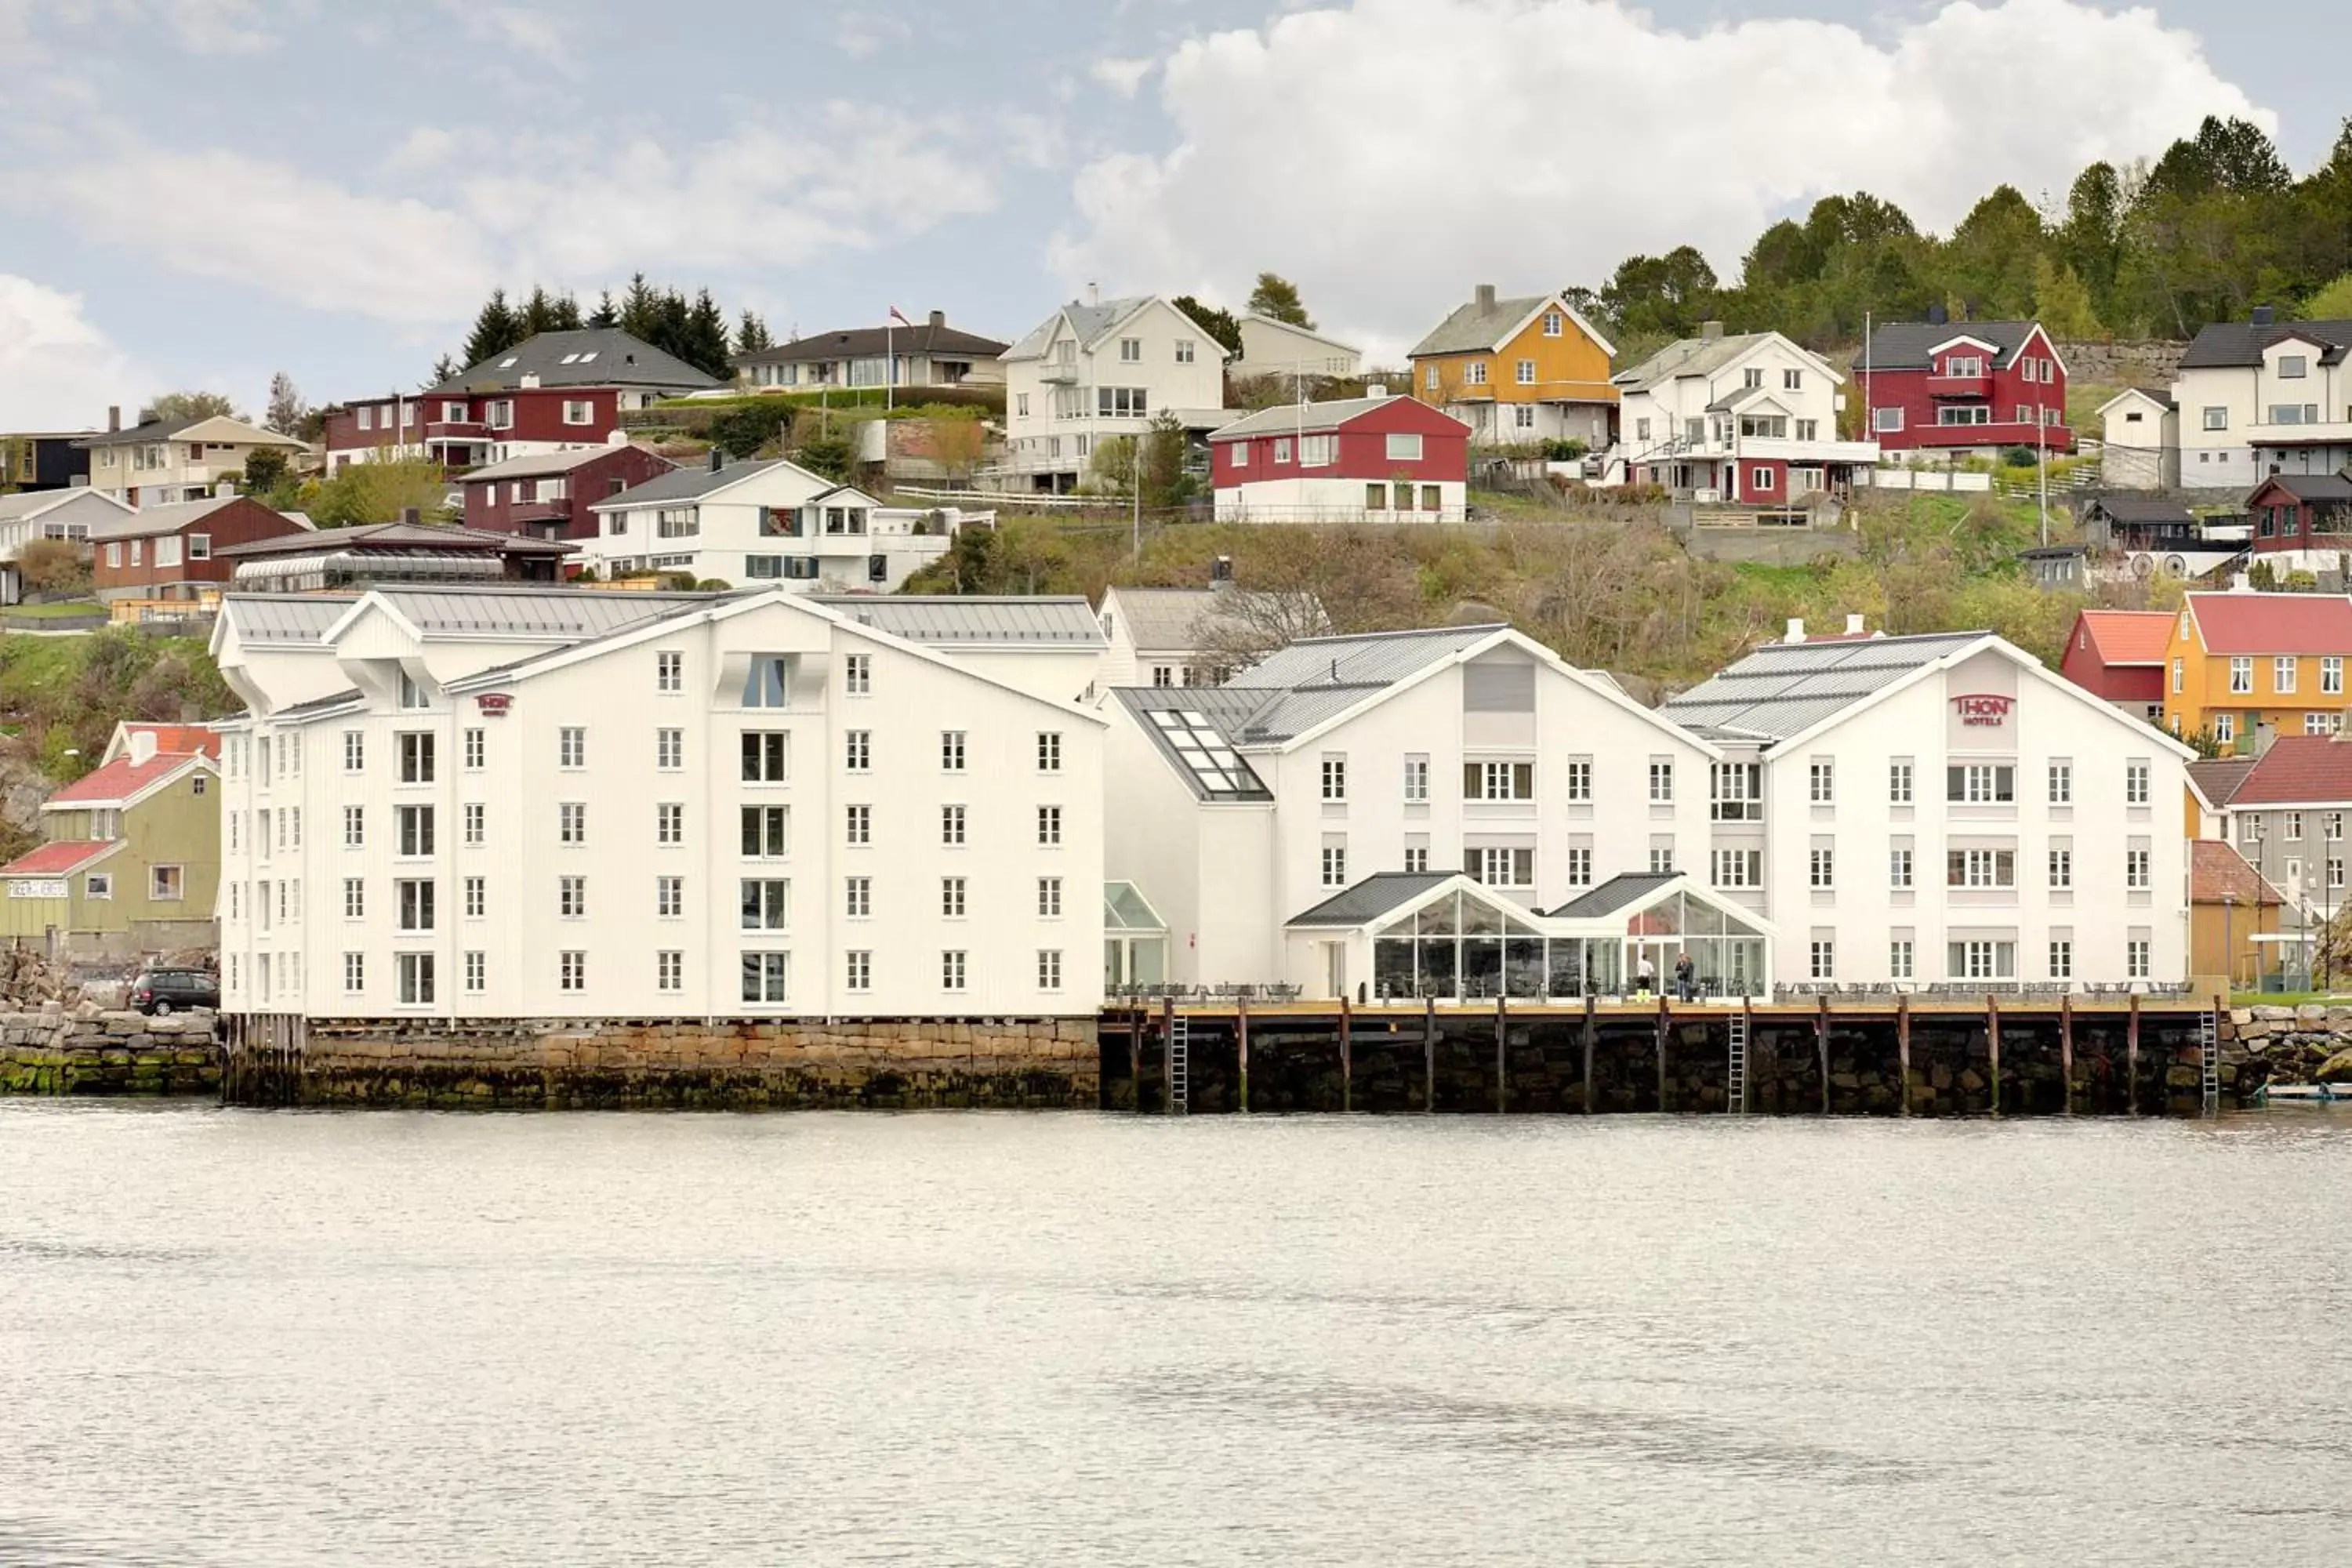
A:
[546,495]
[175,552]
[2230,904]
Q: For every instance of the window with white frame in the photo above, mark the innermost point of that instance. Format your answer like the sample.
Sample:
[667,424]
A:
[1980,867]
[1502,867]
[476,752]
[571,898]
[477,893]
[2180,674]
[414,693]
[572,822]
[1130,350]
[1184,351]
[858,969]
[1401,447]
[1335,775]
[2136,780]
[2135,868]
[952,826]
[768,831]
[2242,674]
[766,904]
[1979,958]
[1662,781]
[1580,781]
[1821,780]
[1049,751]
[768,682]
[857,824]
[1049,826]
[857,750]
[579,411]
[1736,792]
[416,751]
[2137,951]
[766,755]
[1524,372]
[1980,784]
[2293,825]
[1822,958]
[2061,782]
[354,899]
[1416,778]
[1737,867]
[670,823]
[1335,865]
[669,970]
[2283,674]
[1580,865]
[669,671]
[415,971]
[1317,451]
[951,969]
[1049,969]
[951,897]
[477,823]
[571,971]
[1822,866]
[1049,898]
[1898,866]
[2062,958]
[1498,781]
[669,898]
[414,825]
[2061,865]
[1898,958]
[670,750]
[415,905]
[571,747]
[2225,727]
[354,751]
[354,974]
[1662,859]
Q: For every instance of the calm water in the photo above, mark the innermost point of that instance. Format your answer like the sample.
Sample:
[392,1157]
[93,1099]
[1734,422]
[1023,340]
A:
[240,1338]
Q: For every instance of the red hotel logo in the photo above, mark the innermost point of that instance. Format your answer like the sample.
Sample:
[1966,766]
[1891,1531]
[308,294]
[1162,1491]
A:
[1983,707]
[494,703]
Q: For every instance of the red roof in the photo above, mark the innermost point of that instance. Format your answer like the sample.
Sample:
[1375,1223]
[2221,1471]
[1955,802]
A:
[57,858]
[2216,869]
[119,779]
[2299,770]
[2273,623]
[183,739]
[2128,636]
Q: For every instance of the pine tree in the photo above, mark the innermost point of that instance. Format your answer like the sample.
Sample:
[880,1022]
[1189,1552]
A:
[496,329]
[752,335]
[564,314]
[604,314]
[537,314]
[641,310]
[1277,298]
[706,338]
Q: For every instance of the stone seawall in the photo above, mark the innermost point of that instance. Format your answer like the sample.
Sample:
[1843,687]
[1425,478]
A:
[87,1052]
[2309,1044]
[718,1065]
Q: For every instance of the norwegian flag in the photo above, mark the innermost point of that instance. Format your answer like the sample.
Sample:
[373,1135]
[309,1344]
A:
[899,317]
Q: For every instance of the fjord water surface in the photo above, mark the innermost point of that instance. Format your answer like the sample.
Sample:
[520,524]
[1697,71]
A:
[252,1339]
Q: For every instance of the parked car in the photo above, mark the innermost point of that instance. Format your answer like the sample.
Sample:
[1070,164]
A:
[159,991]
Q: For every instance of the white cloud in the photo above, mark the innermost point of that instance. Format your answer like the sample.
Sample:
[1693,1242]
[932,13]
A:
[862,32]
[1595,133]
[57,372]
[1121,75]
[219,26]
[520,29]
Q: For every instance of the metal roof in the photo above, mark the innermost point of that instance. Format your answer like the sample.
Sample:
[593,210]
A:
[398,536]
[560,614]
[1785,689]
[280,618]
[1055,621]
[594,356]
[168,517]
[561,462]
[1689,356]
[688,484]
[1381,893]
[1184,619]
[1294,418]
[1619,892]
[1318,679]
[1090,322]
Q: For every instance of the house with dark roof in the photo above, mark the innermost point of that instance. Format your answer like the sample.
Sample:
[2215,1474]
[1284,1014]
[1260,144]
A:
[550,392]
[159,461]
[901,353]
[1246,807]
[2112,523]
[2302,522]
[1519,368]
[131,864]
[547,495]
[337,559]
[2264,397]
[1098,369]
[2139,439]
[1942,811]
[1746,420]
[1963,389]
[2239,665]
[1388,459]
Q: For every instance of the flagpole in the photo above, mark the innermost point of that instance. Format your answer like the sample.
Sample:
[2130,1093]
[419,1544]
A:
[889,361]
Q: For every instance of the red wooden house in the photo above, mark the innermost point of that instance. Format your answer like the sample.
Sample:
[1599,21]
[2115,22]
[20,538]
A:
[1382,458]
[1963,388]
[2118,655]
[179,551]
[547,494]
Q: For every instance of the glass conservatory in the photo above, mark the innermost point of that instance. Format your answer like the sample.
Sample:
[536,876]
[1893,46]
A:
[1135,939]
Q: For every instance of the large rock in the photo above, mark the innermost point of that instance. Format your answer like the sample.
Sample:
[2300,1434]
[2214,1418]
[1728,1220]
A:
[2337,1068]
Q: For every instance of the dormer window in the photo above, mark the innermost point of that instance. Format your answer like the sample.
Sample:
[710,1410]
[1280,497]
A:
[414,693]
[2293,368]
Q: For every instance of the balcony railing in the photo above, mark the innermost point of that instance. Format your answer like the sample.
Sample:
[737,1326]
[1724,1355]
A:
[528,511]
[1978,386]
[456,430]
[1062,373]
[2006,433]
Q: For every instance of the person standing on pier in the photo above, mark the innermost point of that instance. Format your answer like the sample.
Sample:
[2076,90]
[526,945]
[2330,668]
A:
[1645,977]
[1685,978]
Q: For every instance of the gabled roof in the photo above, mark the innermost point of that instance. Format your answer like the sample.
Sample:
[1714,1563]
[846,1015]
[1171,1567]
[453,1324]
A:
[398,536]
[120,782]
[2216,779]
[1089,325]
[946,620]
[1305,418]
[2217,870]
[1909,345]
[1475,328]
[867,343]
[2272,622]
[2156,394]
[61,858]
[2298,770]
[694,483]
[148,521]
[217,427]
[2308,487]
[2143,511]
[2223,344]
[25,505]
[1704,356]
[1179,620]
[538,464]
[1785,689]
[594,356]
[1381,893]
[1619,892]
[2128,638]
[1294,330]
[1315,679]
[184,739]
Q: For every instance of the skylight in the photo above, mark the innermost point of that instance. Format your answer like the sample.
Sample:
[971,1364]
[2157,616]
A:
[569,358]
[1204,751]
[591,354]
[506,362]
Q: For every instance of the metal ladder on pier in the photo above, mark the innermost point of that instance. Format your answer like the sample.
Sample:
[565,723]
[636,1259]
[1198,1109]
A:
[1734,1086]
[1180,1066]
[2208,1059]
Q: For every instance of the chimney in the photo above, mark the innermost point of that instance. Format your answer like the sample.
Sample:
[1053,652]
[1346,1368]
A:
[1796,629]
[938,319]
[142,746]
[411,517]
[1094,292]
[224,486]
[1486,297]
[1220,569]
[1376,389]
[1938,316]
[113,417]
[1853,626]
[1710,330]
[528,380]
[717,458]
[2263,316]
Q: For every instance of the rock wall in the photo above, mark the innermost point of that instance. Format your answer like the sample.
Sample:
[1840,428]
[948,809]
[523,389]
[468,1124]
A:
[89,1052]
[724,1064]
[2155,363]
[2308,1044]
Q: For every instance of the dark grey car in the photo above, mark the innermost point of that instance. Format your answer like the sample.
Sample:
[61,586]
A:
[175,990]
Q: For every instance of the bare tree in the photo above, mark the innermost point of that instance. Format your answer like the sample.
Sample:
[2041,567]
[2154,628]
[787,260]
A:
[286,410]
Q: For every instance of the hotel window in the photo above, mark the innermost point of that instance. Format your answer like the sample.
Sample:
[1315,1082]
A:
[1580,781]
[2062,867]
[2136,868]
[951,825]
[477,971]
[2283,674]
[1049,751]
[416,971]
[2136,784]
[857,971]
[1335,777]
[952,970]
[1049,898]
[766,756]
[1416,778]
[1502,868]
[414,693]
[354,899]
[1580,866]
[1335,865]
[572,822]
[768,683]
[354,972]
[767,904]
[2242,674]
[1049,826]
[354,751]
[1898,958]
[1981,869]
[951,903]
[572,896]
[670,823]
[2062,958]
[2062,783]
[1662,782]
[1049,969]
[1662,859]
[1980,784]
[1498,781]
[669,971]
[1823,780]
[767,830]
[1898,784]
[1738,867]
[669,672]
[415,905]
[475,822]
[415,757]
[571,747]
[571,971]
[2136,958]
[476,752]
[857,897]
[2331,675]
[670,750]
[857,750]
[1898,868]
[1824,871]
[416,830]
[1982,959]
[669,898]
[1824,958]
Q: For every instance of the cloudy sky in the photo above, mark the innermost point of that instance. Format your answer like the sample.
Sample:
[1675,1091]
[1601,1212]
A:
[205,191]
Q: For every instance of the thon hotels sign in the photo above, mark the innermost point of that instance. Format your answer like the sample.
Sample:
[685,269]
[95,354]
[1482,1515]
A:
[1988,710]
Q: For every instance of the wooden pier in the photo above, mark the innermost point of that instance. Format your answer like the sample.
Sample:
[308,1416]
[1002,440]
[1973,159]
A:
[1899,1056]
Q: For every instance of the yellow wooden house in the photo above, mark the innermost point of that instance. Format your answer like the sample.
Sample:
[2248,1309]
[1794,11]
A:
[2239,663]
[1519,370]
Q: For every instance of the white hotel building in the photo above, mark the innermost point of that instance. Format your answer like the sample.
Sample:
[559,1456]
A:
[513,803]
